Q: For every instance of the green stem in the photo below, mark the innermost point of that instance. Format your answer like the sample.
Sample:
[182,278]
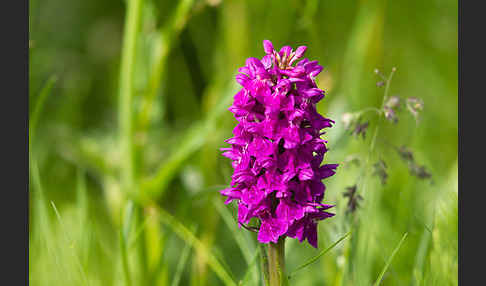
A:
[368,109]
[276,263]
[375,134]
[385,97]
[167,38]
[387,87]
[39,104]
[124,259]
[132,23]
[125,111]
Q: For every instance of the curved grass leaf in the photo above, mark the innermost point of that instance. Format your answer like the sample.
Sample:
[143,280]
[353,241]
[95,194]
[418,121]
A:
[245,247]
[165,41]
[380,277]
[34,117]
[71,244]
[185,234]
[45,236]
[124,237]
[181,265]
[252,268]
[315,258]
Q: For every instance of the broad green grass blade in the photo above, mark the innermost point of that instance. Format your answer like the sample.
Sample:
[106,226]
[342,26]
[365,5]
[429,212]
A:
[315,258]
[380,277]
[185,234]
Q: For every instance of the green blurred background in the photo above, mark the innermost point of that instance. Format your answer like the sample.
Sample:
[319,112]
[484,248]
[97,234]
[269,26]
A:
[101,217]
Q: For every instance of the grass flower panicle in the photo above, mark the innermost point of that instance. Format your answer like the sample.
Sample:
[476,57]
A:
[276,150]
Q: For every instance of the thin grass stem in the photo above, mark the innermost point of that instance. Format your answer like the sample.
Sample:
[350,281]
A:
[375,133]
[125,116]
[71,245]
[131,29]
[181,265]
[315,258]
[382,273]
[39,105]
[124,259]
[167,36]
[185,234]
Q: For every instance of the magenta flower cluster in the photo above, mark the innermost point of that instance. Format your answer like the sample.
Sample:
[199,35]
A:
[276,150]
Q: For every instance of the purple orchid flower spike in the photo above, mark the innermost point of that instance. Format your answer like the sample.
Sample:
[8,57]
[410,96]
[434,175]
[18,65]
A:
[276,150]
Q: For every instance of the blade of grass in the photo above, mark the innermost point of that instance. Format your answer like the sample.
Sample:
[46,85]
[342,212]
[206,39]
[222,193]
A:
[167,37]
[315,258]
[218,254]
[124,237]
[185,234]
[141,246]
[423,249]
[38,201]
[181,265]
[380,277]
[43,225]
[131,29]
[71,245]
[138,233]
[159,274]
[124,259]
[84,234]
[244,246]
[125,115]
[251,269]
[34,117]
